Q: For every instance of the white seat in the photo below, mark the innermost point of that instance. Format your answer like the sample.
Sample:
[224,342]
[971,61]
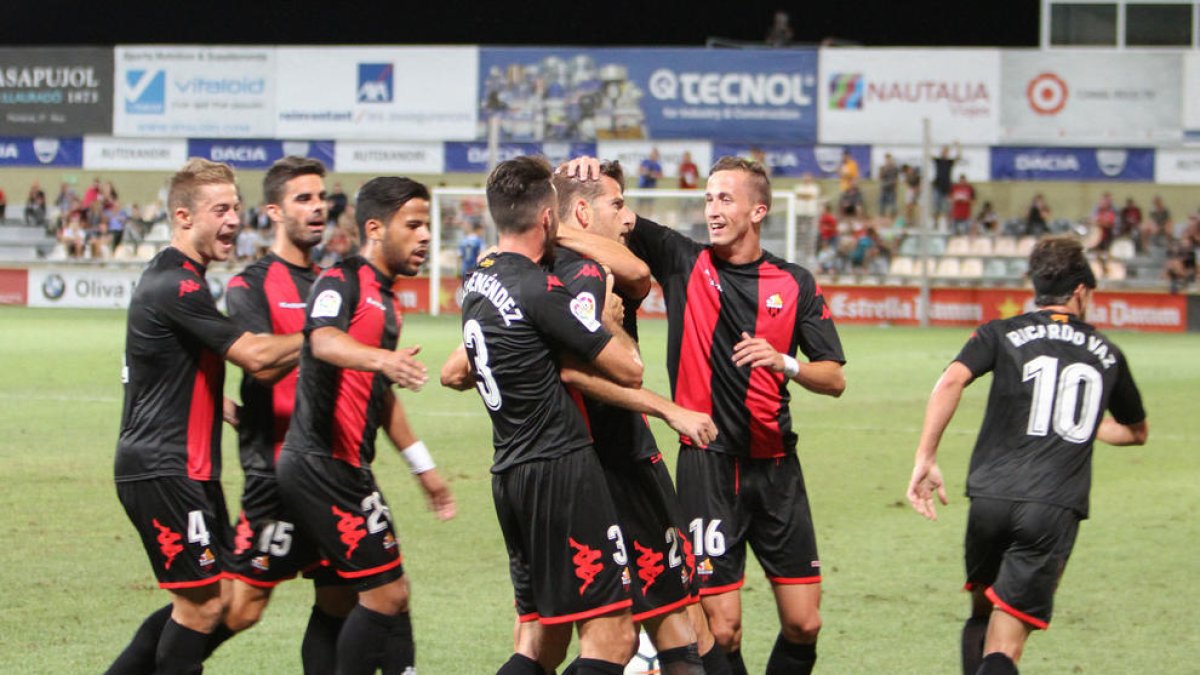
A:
[958,246]
[971,268]
[948,268]
[1025,246]
[902,266]
[981,246]
[1123,249]
[1005,246]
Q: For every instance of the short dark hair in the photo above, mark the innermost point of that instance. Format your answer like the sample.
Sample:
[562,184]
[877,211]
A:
[517,189]
[570,189]
[380,198]
[286,169]
[1057,265]
[759,182]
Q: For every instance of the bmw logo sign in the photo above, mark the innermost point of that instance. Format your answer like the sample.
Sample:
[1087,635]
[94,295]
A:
[54,287]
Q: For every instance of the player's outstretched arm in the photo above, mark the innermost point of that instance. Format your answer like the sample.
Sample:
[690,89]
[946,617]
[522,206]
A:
[1115,433]
[819,377]
[697,426]
[926,476]
[631,274]
[335,347]
[420,462]
[456,371]
[259,353]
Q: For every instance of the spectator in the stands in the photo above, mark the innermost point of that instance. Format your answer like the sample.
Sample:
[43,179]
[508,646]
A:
[912,192]
[689,173]
[1130,220]
[962,198]
[986,221]
[1156,229]
[1105,219]
[73,235]
[35,206]
[1037,220]
[1181,256]
[889,179]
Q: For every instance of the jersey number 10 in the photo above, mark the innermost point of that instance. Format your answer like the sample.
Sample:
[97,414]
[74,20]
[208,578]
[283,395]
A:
[1070,400]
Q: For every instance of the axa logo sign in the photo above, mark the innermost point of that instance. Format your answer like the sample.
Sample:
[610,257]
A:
[145,91]
[762,89]
[375,82]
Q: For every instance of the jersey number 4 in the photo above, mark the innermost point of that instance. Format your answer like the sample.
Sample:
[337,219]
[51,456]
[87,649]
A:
[484,380]
[1069,401]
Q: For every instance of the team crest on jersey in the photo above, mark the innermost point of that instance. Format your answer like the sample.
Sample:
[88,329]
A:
[584,309]
[328,303]
[207,558]
[261,563]
[774,304]
[486,263]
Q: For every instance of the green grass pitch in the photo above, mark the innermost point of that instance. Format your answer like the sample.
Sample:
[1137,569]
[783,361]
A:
[76,584]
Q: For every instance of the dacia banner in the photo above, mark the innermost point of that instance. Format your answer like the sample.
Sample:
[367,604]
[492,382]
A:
[473,157]
[793,161]
[182,92]
[258,154]
[101,153]
[57,152]
[594,94]
[52,91]
[1068,98]
[1120,164]
[377,93]
[882,95]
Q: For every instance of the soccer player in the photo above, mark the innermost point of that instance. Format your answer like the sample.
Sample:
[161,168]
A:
[168,459]
[343,396]
[566,549]
[1053,376]
[736,315]
[269,297]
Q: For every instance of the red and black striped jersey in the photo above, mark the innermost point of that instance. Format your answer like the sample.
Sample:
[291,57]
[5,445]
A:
[618,434]
[710,303]
[338,410]
[267,297]
[516,318]
[175,344]
[1053,376]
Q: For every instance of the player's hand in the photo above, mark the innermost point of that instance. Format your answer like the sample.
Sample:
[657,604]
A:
[614,306]
[402,368]
[926,479]
[581,168]
[437,494]
[698,427]
[231,412]
[756,353]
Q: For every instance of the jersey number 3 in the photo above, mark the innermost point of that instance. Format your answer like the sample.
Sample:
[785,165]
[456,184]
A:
[484,380]
[1069,400]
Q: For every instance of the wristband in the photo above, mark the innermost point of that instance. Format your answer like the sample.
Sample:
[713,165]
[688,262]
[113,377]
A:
[418,458]
[791,367]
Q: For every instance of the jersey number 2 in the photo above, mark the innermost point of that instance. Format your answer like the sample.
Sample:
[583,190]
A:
[1070,401]
[484,380]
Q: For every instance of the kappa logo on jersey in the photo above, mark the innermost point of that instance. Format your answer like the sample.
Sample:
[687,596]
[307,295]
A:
[168,542]
[376,304]
[552,281]
[585,561]
[589,270]
[244,535]
[711,281]
[207,558]
[375,82]
[825,312]
[237,282]
[327,304]
[583,307]
[774,304]
[335,273]
[350,529]
[188,286]
[649,564]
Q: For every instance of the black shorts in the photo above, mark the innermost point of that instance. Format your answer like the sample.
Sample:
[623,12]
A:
[730,501]
[341,508]
[566,552]
[184,528]
[1018,551]
[267,547]
[661,561]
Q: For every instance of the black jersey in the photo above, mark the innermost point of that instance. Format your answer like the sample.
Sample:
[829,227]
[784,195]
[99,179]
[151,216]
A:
[516,317]
[338,410]
[1053,376]
[709,304]
[617,433]
[175,344]
[267,297]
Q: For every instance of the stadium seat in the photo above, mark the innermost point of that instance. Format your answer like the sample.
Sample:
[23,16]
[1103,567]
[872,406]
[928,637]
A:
[145,251]
[958,246]
[981,246]
[1113,270]
[971,268]
[59,252]
[1122,249]
[1018,266]
[1025,246]
[996,268]
[948,268]
[1005,246]
[902,266]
